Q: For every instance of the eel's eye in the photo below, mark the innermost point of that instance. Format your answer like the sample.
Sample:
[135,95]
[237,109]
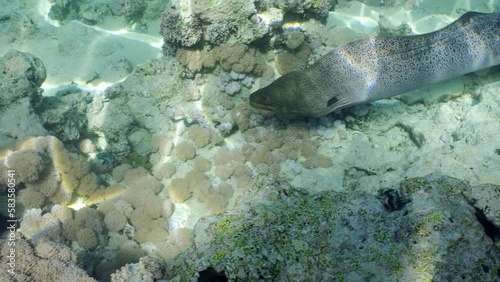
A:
[332,101]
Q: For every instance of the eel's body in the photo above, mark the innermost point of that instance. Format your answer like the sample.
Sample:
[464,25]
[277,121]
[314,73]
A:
[375,68]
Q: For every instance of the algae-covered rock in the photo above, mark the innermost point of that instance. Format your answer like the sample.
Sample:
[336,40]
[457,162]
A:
[21,75]
[281,234]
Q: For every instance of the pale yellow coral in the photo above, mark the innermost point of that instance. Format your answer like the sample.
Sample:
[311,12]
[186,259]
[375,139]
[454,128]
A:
[86,228]
[224,171]
[195,60]
[218,198]
[133,176]
[179,190]
[154,233]
[139,219]
[243,175]
[87,146]
[152,183]
[88,184]
[106,194]
[261,155]
[47,185]
[144,199]
[51,250]
[71,167]
[162,143]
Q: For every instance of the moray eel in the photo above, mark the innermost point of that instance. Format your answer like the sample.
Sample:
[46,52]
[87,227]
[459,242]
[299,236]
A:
[380,67]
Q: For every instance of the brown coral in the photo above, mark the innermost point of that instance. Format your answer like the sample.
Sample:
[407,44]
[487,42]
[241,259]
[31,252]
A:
[195,60]
[239,58]
[295,60]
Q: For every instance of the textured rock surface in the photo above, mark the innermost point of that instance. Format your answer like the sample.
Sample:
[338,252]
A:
[21,75]
[291,236]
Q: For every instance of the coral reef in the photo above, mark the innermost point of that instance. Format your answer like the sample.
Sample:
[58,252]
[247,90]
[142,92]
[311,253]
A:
[131,175]
[221,32]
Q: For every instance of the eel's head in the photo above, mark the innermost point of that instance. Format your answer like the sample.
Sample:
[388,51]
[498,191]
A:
[294,94]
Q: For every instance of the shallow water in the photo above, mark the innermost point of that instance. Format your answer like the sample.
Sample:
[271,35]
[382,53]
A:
[128,150]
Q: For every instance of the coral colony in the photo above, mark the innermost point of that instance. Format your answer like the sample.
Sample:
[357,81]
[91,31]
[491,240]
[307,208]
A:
[122,160]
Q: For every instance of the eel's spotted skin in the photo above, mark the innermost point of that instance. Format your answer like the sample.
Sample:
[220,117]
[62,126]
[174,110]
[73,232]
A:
[380,67]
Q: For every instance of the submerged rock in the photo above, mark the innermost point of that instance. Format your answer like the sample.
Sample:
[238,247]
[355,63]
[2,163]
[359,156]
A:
[281,234]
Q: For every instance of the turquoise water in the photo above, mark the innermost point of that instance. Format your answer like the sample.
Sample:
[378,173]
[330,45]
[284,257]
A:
[127,140]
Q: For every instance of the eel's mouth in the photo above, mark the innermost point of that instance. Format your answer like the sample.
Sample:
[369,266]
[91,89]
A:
[261,100]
